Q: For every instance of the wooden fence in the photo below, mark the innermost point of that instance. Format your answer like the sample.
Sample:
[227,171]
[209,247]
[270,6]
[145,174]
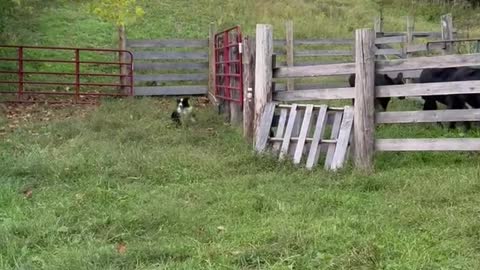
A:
[170,67]
[365,67]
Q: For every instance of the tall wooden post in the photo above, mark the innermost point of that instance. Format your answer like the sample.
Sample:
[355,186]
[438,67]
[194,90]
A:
[263,70]
[410,30]
[290,52]
[378,29]
[447,32]
[211,64]
[248,85]
[364,111]
[122,45]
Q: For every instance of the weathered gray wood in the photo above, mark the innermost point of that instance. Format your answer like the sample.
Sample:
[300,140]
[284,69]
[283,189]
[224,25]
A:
[432,35]
[295,139]
[427,144]
[297,157]
[296,131]
[319,94]
[387,51]
[324,42]
[364,100]
[447,32]
[263,68]
[410,90]
[211,64]
[427,116]
[280,129]
[264,128]
[290,51]
[168,43]
[170,66]
[309,86]
[171,77]
[288,132]
[378,24]
[248,84]
[390,40]
[170,55]
[323,53]
[314,71]
[428,89]
[317,137]
[343,139]
[189,90]
[409,40]
[429,62]
[337,121]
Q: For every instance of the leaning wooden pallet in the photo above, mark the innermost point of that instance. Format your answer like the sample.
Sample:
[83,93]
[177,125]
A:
[311,137]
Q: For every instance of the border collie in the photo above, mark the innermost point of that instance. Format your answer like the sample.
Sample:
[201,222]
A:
[183,113]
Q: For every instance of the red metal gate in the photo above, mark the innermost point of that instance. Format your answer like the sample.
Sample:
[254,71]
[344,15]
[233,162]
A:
[228,65]
[32,73]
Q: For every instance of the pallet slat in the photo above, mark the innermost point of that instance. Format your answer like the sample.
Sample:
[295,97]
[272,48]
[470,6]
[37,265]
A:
[317,136]
[343,139]
[280,128]
[303,134]
[337,121]
[288,132]
[264,128]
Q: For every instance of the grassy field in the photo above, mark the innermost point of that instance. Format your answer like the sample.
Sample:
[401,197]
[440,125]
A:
[118,187]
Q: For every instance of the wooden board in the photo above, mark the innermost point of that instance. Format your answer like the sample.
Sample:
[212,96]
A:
[428,89]
[280,129]
[303,134]
[317,137]
[429,62]
[427,144]
[316,94]
[343,139]
[337,121]
[189,90]
[314,71]
[264,127]
[288,132]
[171,77]
[427,116]
[323,53]
[168,43]
[170,66]
[170,55]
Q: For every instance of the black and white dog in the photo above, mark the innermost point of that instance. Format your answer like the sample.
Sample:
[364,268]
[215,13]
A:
[183,113]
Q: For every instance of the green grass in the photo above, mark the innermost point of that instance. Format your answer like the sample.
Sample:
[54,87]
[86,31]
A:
[198,198]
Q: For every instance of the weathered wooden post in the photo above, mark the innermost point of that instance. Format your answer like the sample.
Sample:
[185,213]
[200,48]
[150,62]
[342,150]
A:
[211,64]
[122,46]
[364,111]
[409,41]
[263,70]
[447,32]
[248,85]
[290,52]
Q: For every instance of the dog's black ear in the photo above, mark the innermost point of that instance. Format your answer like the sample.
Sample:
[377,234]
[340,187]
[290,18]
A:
[178,101]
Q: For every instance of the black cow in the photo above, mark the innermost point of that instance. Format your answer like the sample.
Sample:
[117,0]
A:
[381,80]
[435,75]
[468,74]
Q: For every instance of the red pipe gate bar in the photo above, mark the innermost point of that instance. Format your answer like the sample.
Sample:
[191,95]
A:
[228,65]
[22,72]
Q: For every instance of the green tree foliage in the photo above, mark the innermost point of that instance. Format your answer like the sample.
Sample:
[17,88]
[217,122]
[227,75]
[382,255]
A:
[118,12]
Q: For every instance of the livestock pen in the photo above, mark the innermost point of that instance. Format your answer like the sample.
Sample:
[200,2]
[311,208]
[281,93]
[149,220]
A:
[364,116]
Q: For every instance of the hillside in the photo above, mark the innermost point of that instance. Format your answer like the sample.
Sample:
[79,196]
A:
[119,187]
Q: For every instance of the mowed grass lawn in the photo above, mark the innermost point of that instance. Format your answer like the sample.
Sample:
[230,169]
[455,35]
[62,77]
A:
[120,188]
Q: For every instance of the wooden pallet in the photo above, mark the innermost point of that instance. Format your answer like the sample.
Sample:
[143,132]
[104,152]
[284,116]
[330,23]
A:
[301,133]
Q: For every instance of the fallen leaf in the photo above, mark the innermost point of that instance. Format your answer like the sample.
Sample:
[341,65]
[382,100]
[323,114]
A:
[121,248]
[28,193]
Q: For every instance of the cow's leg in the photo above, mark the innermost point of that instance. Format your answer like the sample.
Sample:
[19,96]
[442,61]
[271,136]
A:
[430,105]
